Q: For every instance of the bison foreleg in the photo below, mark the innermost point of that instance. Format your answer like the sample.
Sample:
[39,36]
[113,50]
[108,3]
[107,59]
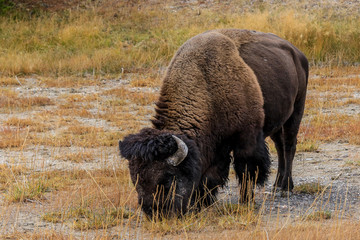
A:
[215,176]
[252,168]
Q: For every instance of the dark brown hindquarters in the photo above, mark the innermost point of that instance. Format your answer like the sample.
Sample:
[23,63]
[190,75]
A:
[282,71]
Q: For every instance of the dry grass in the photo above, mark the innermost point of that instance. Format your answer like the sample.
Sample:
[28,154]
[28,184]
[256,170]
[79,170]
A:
[125,96]
[11,100]
[328,128]
[85,218]
[94,138]
[99,199]
[146,81]
[66,82]
[326,118]
[336,71]
[27,123]
[102,199]
[71,111]
[306,231]
[9,81]
[27,186]
[77,157]
[120,37]
[37,235]
[7,173]
[12,137]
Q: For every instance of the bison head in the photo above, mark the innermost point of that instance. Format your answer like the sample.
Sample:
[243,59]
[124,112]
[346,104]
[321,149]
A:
[165,169]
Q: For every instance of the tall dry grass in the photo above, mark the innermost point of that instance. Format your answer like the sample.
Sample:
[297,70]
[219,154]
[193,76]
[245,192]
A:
[134,36]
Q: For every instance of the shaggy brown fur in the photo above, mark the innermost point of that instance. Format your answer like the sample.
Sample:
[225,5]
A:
[209,93]
[211,98]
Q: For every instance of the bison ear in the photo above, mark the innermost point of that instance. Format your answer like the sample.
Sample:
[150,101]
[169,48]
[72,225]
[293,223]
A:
[180,154]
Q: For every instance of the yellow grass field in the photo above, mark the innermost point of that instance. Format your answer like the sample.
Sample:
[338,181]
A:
[75,78]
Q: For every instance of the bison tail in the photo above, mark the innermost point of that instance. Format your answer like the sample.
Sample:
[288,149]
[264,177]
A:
[255,166]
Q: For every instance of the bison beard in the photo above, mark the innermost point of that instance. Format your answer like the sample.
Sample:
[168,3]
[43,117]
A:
[211,109]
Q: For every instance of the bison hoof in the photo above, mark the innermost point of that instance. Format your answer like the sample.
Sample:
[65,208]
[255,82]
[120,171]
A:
[284,183]
[287,184]
[278,181]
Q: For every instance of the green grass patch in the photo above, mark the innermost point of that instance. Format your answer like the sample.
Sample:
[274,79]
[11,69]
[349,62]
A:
[309,188]
[319,215]
[310,145]
[27,190]
[33,186]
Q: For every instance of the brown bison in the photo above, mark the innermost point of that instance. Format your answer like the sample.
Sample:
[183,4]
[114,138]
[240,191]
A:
[224,92]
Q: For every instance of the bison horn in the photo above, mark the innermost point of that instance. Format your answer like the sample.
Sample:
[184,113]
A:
[180,153]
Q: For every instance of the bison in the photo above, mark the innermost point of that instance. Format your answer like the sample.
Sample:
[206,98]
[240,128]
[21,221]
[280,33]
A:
[223,93]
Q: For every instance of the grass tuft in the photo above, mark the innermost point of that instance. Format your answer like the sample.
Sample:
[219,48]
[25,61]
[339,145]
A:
[11,100]
[23,191]
[9,81]
[8,173]
[309,188]
[12,137]
[319,215]
[84,218]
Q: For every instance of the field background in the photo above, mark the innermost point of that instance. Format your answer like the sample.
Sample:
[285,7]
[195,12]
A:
[77,76]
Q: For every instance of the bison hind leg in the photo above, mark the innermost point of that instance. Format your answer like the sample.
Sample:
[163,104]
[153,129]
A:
[252,168]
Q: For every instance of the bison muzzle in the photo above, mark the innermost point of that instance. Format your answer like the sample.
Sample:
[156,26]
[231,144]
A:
[224,92]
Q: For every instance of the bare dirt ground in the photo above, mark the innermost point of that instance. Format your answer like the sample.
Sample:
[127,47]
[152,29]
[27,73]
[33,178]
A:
[333,165]
[330,167]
